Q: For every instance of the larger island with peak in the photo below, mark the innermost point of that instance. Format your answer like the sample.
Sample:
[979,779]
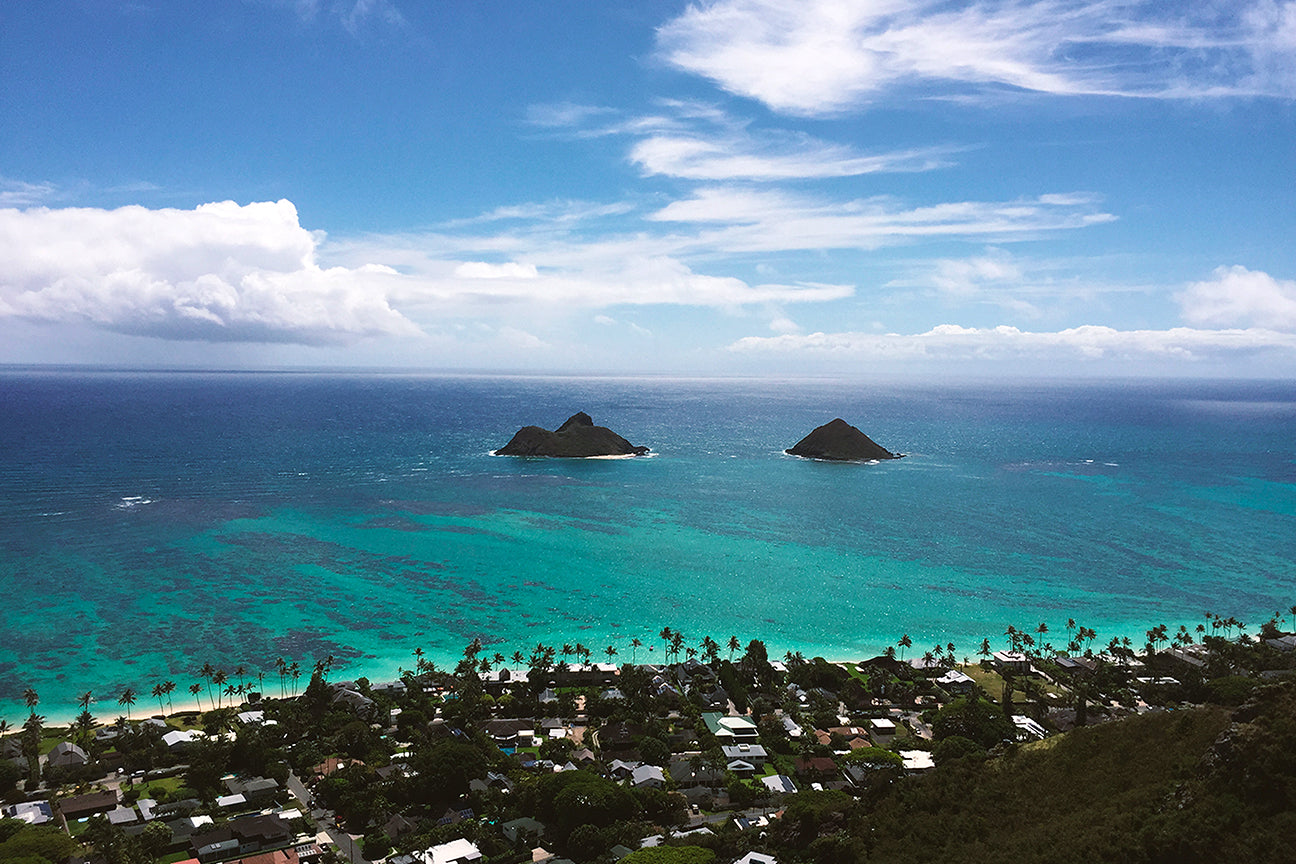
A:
[576,438]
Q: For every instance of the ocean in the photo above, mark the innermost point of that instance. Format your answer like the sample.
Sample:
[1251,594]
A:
[154,522]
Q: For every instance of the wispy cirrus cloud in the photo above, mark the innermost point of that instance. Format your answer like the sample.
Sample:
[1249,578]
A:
[17,193]
[826,56]
[698,141]
[756,220]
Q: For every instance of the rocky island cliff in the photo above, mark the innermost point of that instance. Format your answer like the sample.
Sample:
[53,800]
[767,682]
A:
[577,438]
[841,442]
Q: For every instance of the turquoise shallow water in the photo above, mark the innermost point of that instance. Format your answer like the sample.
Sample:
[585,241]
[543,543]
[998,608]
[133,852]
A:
[151,523]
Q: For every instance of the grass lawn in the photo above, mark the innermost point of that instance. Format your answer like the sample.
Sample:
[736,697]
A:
[993,682]
[989,681]
[155,788]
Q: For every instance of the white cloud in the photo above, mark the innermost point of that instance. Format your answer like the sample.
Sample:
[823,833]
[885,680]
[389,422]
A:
[219,272]
[824,56]
[507,270]
[765,220]
[514,337]
[953,342]
[16,193]
[1238,296]
[771,156]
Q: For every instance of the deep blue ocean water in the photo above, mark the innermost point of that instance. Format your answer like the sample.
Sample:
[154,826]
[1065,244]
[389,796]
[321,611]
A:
[150,523]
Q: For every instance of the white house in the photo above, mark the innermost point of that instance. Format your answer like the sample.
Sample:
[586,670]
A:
[461,851]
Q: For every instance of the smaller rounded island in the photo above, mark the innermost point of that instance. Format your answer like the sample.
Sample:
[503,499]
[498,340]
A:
[839,441]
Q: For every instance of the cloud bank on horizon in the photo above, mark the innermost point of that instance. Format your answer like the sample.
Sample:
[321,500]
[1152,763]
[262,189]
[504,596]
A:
[828,185]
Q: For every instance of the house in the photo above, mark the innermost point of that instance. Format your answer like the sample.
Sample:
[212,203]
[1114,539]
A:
[255,790]
[398,825]
[882,730]
[459,851]
[241,836]
[956,682]
[814,767]
[686,775]
[791,728]
[524,830]
[331,764]
[619,769]
[753,753]
[1027,728]
[31,812]
[89,804]
[779,784]
[178,739]
[647,776]
[1074,665]
[741,768]
[67,755]
[730,729]
[756,858]
[123,816]
[917,761]
[1011,661]
[1282,643]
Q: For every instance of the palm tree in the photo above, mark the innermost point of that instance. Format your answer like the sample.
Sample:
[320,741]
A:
[127,698]
[219,678]
[32,700]
[635,644]
[610,651]
[239,672]
[231,690]
[665,635]
[1041,630]
[518,659]
[677,642]
[734,645]
[196,690]
[905,642]
[294,671]
[84,700]
[282,666]
[158,692]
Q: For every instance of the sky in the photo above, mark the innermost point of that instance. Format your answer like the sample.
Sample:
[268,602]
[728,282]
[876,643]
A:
[737,187]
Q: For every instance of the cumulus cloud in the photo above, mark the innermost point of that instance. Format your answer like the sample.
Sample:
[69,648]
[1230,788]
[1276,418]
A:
[219,272]
[951,342]
[824,56]
[1238,296]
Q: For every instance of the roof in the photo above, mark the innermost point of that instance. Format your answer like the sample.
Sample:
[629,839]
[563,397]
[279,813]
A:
[779,783]
[454,851]
[91,802]
[31,812]
[646,774]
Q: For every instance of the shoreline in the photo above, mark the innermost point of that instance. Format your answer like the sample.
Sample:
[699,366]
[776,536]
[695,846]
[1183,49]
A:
[389,669]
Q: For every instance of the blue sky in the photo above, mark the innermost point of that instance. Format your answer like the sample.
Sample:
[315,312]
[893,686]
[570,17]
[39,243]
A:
[734,187]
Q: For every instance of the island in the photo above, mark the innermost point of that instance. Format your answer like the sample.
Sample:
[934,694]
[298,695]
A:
[576,438]
[840,442]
